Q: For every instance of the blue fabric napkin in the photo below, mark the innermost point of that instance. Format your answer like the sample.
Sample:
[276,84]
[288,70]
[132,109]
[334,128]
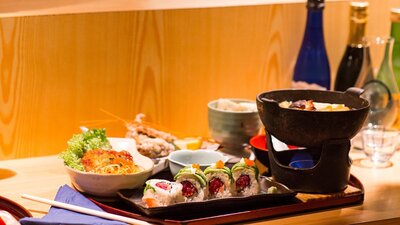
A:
[57,216]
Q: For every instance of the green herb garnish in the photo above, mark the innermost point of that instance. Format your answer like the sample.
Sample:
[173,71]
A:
[80,143]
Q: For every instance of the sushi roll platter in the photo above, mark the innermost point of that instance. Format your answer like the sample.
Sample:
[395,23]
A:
[192,189]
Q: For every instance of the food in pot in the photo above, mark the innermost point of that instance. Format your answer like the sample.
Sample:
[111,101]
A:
[245,178]
[310,105]
[194,183]
[109,162]
[150,142]
[219,180]
[160,192]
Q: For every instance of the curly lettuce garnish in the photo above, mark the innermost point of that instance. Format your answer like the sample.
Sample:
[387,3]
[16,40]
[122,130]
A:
[80,143]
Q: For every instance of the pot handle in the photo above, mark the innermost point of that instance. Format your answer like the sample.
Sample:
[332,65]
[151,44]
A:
[354,91]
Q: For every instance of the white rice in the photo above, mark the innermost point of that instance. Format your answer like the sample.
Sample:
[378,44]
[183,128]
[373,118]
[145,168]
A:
[199,196]
[164,197]
[227,184]
[252,189]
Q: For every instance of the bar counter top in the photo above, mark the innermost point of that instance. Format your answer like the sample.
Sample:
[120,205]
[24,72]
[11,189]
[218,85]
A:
[42,176]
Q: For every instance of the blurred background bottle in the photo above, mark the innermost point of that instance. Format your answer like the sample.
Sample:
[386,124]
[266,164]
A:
[395,33]
[312,66]
[351,63]
[378,81]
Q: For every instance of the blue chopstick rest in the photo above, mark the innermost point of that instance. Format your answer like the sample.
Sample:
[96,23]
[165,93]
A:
[58,216]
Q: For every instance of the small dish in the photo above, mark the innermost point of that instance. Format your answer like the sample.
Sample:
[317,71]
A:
[181,158]
[15,209]
[259,147]
[134,199]
[104,185]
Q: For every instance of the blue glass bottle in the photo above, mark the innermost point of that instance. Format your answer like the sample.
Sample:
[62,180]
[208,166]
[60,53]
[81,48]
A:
[312,66]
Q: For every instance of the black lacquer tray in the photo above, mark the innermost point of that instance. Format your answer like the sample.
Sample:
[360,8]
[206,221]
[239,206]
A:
[233,212]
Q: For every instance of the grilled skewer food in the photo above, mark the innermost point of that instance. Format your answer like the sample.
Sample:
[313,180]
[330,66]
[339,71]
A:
[150,142]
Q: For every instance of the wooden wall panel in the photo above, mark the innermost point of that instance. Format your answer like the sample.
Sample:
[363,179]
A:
[59,72]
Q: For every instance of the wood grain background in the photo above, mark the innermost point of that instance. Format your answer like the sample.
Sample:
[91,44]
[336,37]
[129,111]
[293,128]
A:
[59,72]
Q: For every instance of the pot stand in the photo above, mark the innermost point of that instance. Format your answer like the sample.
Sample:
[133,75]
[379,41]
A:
[330,173]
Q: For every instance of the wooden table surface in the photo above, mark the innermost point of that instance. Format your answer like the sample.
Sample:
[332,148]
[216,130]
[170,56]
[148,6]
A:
[42,176]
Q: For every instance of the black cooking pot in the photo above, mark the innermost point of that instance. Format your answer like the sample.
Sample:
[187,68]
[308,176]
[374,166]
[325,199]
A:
[312,128]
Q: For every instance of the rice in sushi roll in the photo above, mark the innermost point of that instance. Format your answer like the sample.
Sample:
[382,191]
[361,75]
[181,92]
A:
[219,180]
[193,183]
[161,193]
[245,178]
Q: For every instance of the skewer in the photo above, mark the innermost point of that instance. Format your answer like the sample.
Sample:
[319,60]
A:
[84,210]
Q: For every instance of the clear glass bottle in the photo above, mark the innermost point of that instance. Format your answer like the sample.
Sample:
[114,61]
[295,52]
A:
[351,63]
[312,66]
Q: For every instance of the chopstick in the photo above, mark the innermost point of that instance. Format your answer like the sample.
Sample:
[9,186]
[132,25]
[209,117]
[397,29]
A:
[84,210]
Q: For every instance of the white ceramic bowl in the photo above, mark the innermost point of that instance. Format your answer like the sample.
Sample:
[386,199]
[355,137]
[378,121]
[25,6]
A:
[181,158]
[105,185]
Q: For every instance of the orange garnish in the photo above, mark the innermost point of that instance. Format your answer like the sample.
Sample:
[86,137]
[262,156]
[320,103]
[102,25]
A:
[196,166]
[248,162]
[150,202]
[219,164]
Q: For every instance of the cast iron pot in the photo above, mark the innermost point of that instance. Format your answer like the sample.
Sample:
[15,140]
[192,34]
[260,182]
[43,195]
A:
[312,128]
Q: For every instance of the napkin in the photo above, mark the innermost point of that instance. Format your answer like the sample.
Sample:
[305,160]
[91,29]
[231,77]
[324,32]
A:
[62,216]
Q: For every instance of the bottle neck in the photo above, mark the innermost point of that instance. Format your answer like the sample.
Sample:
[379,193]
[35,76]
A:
[395,30]
[314,24]
[357,30]
[388,54]
[385,69]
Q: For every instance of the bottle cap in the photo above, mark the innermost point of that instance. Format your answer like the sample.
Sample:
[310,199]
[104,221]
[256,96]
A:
[315,4]
[395,14]
[359,4]
[358,12]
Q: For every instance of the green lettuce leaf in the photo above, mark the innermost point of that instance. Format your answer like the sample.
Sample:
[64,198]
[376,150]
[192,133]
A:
[80,143]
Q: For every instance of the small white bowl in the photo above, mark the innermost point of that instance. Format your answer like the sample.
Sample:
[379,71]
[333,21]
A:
[181,158]
[105,185]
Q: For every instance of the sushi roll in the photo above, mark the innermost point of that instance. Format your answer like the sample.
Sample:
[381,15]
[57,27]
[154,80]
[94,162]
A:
[193,183]
[219,180]
[161,193]
[245,178]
